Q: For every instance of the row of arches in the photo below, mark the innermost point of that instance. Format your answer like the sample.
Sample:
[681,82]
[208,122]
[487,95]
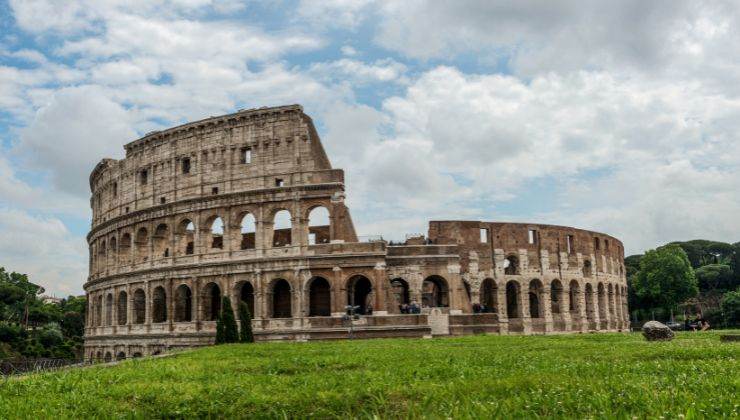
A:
[184,307]
[608,302]
[142,245]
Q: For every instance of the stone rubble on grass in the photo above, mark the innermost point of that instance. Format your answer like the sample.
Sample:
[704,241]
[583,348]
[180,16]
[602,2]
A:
[656,331]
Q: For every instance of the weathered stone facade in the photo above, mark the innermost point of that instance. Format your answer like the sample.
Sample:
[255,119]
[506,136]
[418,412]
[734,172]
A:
[194,212]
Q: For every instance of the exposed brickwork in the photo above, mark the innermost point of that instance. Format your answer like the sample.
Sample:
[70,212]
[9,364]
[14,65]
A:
[159,260]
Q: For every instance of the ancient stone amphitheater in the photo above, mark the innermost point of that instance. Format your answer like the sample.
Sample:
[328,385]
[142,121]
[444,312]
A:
[248,205]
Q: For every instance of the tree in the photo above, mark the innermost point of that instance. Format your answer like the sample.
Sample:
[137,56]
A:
[731,308]
[226,331]
[714,277]
[245,318]
[665,278]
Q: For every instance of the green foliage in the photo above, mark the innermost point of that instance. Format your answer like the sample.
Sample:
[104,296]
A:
[576,376]
[731,308]
[665,278]
[245,319]
[226,330]
[714,277]
[22,312]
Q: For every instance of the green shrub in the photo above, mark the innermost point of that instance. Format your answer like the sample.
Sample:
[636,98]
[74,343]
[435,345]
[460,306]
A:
[245,318]
[731,308]
[226,331]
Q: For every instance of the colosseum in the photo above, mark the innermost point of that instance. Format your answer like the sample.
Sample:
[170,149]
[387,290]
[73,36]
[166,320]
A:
[247,205]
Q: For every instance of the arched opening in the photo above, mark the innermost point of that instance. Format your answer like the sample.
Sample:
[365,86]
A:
[141,246]
[99,356]
[611,300]
[282,305]
[99,312]
[185,237]
[511,265]
[108,357]
[589,295]
[124,250]
[488,296]
[434,292]
[109,309]
[319,297]
[161,241]
[512,300]
[587,268]
[211,302]
[159,305]
[360,293]
[216,235]
[101,260]
[281,231]
[121,356]
[602,302]
[573,293]
[113,250]
[556,296]
[122,308]
[246,295]
[248,232]
[400,290]
[535,299]
[183,304]
[139,306]
[318,226]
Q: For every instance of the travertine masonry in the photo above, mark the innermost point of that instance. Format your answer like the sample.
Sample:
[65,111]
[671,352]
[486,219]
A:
[248,205]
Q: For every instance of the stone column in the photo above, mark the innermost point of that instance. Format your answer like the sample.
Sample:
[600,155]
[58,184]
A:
[169,302]
[338,291]
[503,319]
[546,304]
[147,305]
[582,310]
[381,281]
[524,308]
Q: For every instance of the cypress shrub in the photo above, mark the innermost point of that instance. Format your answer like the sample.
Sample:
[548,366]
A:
[220,329]
[245,318]
[230,332]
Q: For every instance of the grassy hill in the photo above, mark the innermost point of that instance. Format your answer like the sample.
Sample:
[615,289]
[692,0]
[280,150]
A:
[596,375]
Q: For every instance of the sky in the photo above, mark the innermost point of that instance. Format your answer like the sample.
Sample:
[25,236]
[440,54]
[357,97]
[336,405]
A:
[620,117]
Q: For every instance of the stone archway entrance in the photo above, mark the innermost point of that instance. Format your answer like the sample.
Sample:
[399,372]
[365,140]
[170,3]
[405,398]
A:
[359,293]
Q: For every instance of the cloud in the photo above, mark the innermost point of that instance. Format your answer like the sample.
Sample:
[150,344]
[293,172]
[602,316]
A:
[43,248]
[68,136]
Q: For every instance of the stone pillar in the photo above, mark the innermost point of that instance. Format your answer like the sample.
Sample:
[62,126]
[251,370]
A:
[596,306]
[582,310]
[381,294]
[524,308]
[503,319]
[169,302]
[338,292]
[147,305]
[546,304]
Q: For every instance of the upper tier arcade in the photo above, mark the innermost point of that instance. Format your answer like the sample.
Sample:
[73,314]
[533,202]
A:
[250,150]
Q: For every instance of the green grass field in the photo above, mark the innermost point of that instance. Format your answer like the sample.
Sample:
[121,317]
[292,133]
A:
[594,375]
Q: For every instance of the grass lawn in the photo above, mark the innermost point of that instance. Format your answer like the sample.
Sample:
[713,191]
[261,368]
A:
[592,375]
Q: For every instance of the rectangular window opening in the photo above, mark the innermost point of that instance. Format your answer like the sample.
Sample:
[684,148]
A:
[144,176]
[214,190]
[483,235]
[162,200]
[279,182]
[246,155]
[115,189]
[597,244]
[532,236]
[570,244]
[186,166]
